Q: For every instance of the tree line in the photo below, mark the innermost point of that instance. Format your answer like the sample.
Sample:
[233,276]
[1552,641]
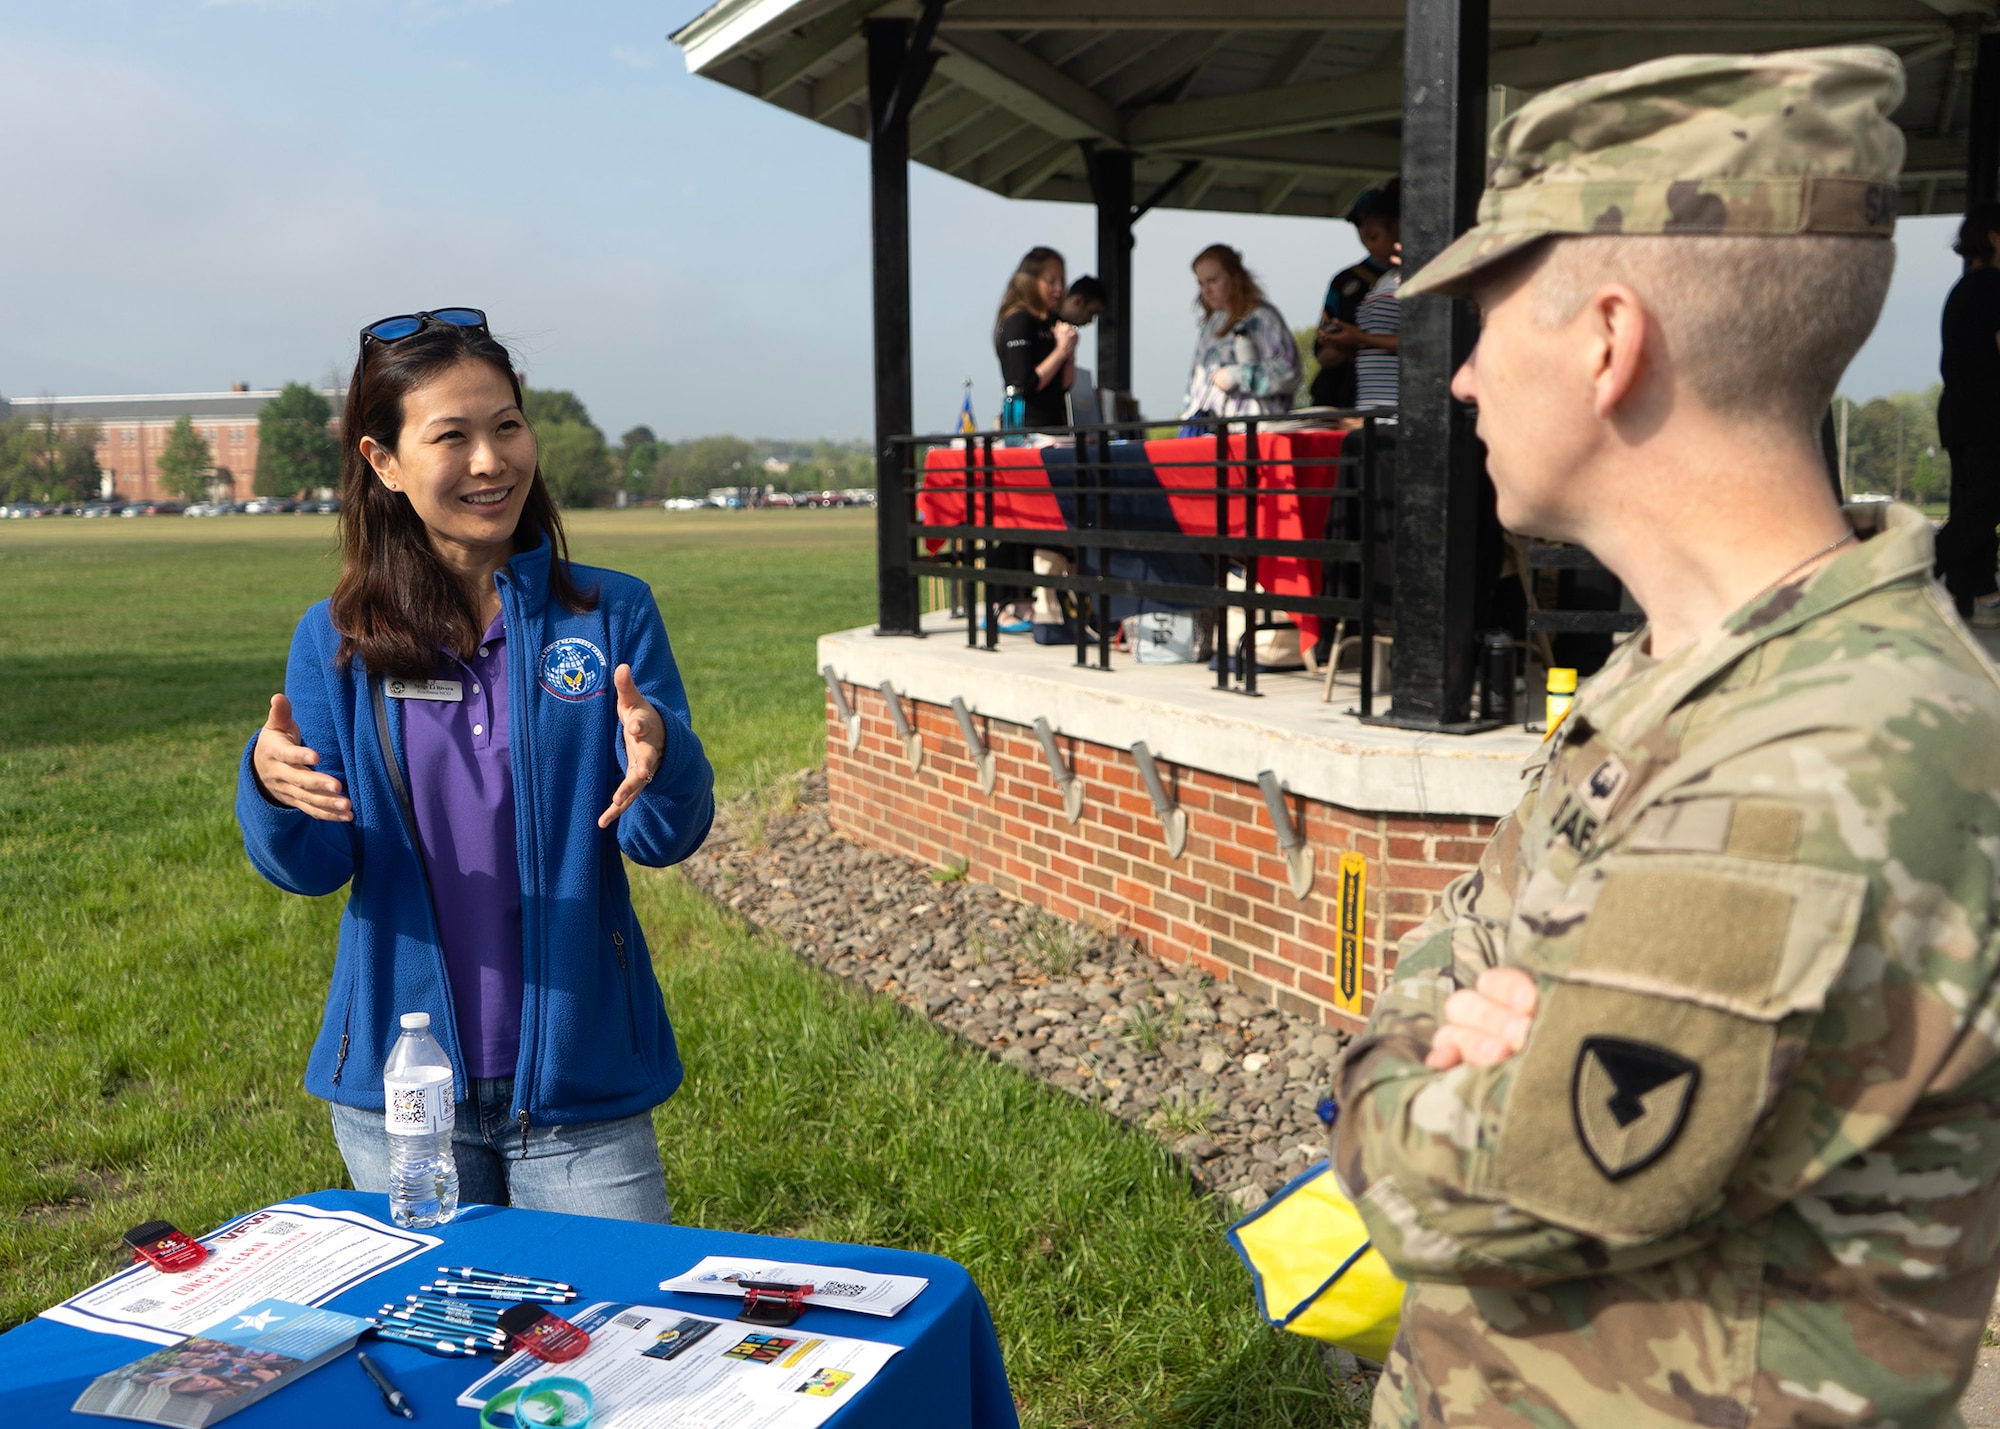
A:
[1892,446]
[45,460]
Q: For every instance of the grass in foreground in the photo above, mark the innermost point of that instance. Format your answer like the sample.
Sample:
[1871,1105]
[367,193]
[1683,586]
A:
[157,998]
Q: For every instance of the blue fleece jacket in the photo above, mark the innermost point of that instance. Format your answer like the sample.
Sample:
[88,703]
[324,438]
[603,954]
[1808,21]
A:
[595,1041]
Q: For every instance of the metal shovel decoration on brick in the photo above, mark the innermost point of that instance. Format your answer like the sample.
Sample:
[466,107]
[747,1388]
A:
[974,745]
[848,715]
[1292,843]
[1173,819]
[1065,777]
[913,743]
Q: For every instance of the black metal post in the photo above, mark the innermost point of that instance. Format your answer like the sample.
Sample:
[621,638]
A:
[1982,136]
[1442,467]
[889,232]
[1111,186]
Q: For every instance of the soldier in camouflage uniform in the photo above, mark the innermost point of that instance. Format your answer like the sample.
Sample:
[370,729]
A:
[1684,1107]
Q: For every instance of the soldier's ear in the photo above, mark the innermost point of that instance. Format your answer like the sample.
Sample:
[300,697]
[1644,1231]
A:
[1616,328]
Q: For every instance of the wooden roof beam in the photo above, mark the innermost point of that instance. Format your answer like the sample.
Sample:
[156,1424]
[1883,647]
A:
[1031,87]
[1833,16]
[789,60]
[1377,95]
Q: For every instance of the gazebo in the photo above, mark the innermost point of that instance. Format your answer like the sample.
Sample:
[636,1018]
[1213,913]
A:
[1285,106]
[1282,842]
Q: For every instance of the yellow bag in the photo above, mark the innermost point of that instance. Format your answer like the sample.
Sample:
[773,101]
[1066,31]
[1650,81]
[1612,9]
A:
[1316,1272]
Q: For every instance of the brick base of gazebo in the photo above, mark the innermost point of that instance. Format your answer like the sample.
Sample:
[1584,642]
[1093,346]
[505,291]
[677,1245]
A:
[1225,905]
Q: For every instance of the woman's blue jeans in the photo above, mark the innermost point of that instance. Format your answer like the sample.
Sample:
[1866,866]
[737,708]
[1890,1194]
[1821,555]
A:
[594,1168]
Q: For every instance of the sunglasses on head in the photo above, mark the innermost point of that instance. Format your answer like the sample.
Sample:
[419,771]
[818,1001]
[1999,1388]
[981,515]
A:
[403,324]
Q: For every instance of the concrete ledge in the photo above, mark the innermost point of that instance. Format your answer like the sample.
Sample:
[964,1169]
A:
[1317,749]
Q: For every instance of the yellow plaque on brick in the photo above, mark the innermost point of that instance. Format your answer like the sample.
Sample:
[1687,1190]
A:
[1351,945]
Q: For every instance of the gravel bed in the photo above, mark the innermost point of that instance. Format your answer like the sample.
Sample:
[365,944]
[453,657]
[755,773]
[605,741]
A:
[1230,1083]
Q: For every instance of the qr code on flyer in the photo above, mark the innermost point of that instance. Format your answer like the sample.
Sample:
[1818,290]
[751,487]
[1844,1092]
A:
[838,1288]
[408,1106]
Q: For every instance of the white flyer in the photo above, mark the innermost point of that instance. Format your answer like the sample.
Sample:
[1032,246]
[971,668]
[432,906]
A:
[302,1254]
[833,1287]
[650,1368]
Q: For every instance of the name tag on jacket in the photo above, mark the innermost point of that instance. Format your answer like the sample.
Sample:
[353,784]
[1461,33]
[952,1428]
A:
[448,691]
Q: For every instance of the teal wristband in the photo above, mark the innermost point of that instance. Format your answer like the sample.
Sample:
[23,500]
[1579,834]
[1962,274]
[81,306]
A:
[552,1403]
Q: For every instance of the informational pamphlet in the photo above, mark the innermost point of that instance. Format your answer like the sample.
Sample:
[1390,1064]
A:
[229,1366]
[833,1287]
[300,1254]
[650,1368]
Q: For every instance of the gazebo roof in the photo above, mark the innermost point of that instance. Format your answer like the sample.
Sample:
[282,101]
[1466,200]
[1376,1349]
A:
[1274,106]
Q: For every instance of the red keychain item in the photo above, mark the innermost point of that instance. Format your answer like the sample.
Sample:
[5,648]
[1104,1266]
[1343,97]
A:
[158,1244]
[547,1337]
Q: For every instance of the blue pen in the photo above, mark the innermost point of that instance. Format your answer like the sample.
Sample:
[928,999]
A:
[457,1310]
[471,1272]
[430,1344]
[445,1328]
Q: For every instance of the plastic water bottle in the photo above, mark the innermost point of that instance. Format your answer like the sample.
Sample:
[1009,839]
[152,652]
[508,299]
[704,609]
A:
[416,1087]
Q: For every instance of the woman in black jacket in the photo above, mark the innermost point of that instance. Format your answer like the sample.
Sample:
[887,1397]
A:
[1037,350]
[1970,364]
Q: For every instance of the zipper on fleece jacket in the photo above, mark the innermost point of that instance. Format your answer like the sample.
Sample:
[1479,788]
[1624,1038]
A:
[520,723]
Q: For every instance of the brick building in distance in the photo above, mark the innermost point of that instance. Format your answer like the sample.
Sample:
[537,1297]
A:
[133,432]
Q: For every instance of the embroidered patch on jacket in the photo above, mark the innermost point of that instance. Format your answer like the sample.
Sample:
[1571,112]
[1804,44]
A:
[1603,785]
[1629,1100]
[574,669]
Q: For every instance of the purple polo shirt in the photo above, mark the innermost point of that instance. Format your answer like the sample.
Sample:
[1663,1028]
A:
[463,789]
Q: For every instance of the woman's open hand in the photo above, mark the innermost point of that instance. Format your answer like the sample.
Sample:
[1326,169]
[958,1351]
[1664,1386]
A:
[284,769]
[645,744]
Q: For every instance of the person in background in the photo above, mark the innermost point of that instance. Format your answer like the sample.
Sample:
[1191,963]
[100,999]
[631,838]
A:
[1080,306]
[1245,361]
[1969,421]
[1037,350]
[474,736]
[1378,222]
[1378,343]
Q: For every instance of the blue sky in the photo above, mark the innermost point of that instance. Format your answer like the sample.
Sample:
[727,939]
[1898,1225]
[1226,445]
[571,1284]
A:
[206,191]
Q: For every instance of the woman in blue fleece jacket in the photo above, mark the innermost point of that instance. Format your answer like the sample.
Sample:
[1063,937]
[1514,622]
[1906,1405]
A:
[472,732]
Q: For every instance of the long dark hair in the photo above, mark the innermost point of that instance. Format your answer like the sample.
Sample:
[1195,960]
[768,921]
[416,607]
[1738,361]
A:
[1024,289]
[397,604]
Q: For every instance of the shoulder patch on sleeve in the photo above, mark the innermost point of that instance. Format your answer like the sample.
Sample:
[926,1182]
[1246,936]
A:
[1629,1100]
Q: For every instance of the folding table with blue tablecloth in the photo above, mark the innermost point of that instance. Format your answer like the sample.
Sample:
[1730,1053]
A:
[948,1375]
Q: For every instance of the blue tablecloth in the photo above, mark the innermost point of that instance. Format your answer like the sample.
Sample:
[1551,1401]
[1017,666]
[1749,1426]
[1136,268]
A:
[949,1375]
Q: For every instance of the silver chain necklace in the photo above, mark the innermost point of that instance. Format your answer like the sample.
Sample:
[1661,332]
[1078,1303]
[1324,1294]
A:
[1822,551]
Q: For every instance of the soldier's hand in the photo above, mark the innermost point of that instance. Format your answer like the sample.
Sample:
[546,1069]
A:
[1486,1024]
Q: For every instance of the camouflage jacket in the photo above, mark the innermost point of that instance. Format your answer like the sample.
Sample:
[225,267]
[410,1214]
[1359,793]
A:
[1744,1171]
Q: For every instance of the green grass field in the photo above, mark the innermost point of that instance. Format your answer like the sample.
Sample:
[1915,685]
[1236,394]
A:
[157,997]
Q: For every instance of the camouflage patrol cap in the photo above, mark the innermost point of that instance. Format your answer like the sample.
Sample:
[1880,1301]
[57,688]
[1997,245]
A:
[1794,142]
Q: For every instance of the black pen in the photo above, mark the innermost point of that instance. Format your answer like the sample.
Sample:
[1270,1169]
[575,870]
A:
[391,1396]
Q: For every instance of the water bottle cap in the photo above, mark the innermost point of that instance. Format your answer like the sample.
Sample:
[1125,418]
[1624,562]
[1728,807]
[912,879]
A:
[1562,681]
[416,1021]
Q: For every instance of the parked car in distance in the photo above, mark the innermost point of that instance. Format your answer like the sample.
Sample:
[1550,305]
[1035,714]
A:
[101,508]
[266,506]
[321,505]
[154,508]
[20,510]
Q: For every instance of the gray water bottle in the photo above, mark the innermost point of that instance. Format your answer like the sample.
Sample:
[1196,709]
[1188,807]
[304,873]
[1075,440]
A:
[417,1092]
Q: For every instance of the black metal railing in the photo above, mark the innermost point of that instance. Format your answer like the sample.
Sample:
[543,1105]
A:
[1117,507]
[1603,609]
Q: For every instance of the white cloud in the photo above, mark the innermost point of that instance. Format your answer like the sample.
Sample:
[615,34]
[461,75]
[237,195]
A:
[634,58]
